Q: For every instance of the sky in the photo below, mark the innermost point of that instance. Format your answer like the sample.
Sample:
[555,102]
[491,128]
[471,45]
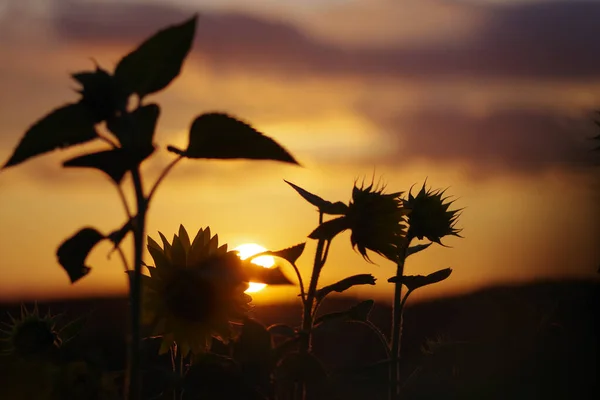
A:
[492,100]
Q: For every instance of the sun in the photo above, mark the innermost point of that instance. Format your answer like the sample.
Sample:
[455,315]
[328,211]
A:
[248,250]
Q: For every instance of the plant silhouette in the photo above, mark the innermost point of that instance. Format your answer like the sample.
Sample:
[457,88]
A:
[107,98]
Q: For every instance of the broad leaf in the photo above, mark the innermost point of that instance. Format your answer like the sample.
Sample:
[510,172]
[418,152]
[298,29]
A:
[115,162]
[73,252]
[157,61]
[345,284]
[329,229]
[220,136]
[136,129]
[66,126]
[413,282]
[417,248]
[359,312]
[324,206]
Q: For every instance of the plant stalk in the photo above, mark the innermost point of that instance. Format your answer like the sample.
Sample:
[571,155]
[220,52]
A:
[394,378]
[133,379]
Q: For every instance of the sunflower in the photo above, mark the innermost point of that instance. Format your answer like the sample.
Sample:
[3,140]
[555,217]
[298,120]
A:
[376,219]
[32,335]
[430,216]
[195,289]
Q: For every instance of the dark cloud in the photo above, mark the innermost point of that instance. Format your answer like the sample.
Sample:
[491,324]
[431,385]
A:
[512,140]
[546,40]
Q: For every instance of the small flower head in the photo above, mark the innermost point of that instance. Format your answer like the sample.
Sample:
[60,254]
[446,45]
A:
[377,221]
[430,216]
[194,290]
[32,335]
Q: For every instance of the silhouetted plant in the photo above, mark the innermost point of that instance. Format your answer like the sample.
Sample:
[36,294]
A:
[106,98]
[378,222]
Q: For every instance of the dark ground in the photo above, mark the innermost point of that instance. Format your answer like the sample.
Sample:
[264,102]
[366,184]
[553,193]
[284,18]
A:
[523,342]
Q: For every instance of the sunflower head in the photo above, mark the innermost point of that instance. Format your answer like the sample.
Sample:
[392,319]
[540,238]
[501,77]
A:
[377,221]
[194,290]
[430,216]
[32,335]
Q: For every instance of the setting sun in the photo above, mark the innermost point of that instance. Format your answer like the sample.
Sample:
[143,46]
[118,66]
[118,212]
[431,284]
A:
[250,249]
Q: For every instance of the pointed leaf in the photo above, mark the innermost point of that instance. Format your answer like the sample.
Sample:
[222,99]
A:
[270,276]
[324,206]
[413,282]
[359,312]
[136,129]
[291,254]
[157,61]
[73,252]
[115,163]
[66,126]
[102,97]
[345,284]
[220,136]
[328,230]
[417,248]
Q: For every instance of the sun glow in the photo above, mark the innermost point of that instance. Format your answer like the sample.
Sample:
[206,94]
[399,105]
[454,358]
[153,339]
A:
[248,250]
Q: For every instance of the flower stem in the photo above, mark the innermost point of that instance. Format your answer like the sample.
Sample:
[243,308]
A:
[394,378]
[133,380]
[162,176]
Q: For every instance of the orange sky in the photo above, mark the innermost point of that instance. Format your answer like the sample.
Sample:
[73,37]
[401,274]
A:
[449,99]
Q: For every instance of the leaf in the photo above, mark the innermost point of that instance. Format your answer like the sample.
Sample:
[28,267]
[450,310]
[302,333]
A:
[115,162]
[305,369]
[345,284]
[158,60]
[328,230]
[291,254]
[253,351]
[359,312]
[270,276]
[282,330]
[220,136]
[324,206]
[417,248]
[136,129]
[66,126]
[73,252]
[413,282]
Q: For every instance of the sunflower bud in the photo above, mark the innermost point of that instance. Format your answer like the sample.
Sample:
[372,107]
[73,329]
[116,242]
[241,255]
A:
[429,216]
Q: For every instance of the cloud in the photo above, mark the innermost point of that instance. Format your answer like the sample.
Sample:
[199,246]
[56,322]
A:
[507,140]
[544,40]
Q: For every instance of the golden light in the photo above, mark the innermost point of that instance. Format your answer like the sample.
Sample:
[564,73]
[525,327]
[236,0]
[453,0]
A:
[248,250]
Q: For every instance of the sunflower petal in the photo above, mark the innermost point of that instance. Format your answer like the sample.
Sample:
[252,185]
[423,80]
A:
[178,253]
[185,238]
[166,245]
[213,245]
[207,235]
[161,261]
[153,243]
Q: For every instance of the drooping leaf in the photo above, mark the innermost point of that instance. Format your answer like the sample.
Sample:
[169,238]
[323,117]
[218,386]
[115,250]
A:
[135,130]
[324,206]
[73,252]
[270,276]
[417,248]
[282,330]
[220,136]
[345,284]
[115,162]
[329,229]
[100,94]
[413,282]
[158,60]
[359,312]
[66,126]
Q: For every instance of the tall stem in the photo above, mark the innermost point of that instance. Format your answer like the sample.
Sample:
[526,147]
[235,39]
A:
[394,382]
[133,383]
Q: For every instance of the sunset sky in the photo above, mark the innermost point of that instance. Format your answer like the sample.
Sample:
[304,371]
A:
[493,99]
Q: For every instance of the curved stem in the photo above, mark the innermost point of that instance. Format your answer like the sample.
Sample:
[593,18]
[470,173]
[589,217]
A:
[162,176]
[379,335]
[124,201]
[300,282]
[123,258]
